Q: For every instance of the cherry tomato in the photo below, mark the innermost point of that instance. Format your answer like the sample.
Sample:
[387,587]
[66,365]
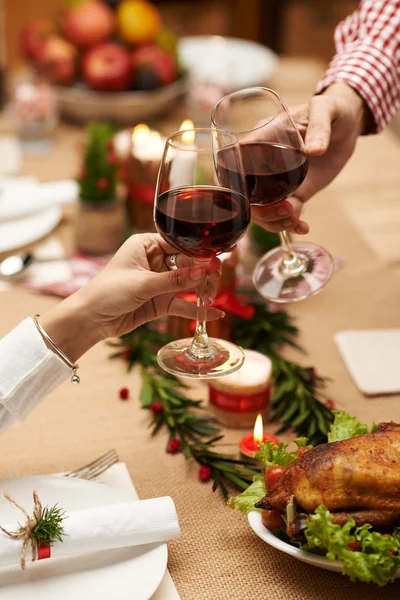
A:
[273,475]
[272,519]
[302,451]
[355,546]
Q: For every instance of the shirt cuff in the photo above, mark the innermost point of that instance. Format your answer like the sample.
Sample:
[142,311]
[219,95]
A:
[373,74]
[28,370]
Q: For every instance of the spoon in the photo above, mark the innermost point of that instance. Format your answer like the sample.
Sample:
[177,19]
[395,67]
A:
[14,265]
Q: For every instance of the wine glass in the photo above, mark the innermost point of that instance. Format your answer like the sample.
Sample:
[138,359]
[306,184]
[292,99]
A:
[201,219]
[275,165]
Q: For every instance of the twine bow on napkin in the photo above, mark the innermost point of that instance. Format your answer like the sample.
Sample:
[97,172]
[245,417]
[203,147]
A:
[25,532]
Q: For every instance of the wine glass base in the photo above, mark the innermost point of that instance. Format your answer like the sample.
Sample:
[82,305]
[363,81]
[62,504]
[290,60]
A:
[271,281]
[175,359]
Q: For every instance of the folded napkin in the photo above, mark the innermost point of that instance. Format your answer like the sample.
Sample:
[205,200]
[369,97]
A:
[103,528]
[20,197]
[372,358]
[63,278]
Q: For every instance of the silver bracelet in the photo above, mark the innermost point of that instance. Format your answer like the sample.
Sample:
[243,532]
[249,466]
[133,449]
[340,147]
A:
[75,379]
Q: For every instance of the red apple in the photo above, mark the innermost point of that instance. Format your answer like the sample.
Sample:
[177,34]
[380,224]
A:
[57,59]
[88,23]
[107,67]
[33,35]
[153,67]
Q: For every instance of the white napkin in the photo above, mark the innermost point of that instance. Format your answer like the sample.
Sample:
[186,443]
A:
[118,478]
[372,358]
[20,197]
[92,530]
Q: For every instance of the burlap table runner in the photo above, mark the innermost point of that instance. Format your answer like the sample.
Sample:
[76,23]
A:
[218,556]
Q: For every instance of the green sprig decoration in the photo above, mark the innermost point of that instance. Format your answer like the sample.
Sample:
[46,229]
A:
[49,528]
[98,178]
[190,431]
[297,403]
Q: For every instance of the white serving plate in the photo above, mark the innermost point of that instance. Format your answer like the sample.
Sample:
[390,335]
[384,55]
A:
[229,63]
[267,536]
[123,574]
[21,232]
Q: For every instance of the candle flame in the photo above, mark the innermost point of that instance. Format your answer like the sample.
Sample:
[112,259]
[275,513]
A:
[258,433]
[140,134]
[188,136]
[154,140]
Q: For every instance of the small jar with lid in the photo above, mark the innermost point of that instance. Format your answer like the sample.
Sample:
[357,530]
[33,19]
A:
[236,399]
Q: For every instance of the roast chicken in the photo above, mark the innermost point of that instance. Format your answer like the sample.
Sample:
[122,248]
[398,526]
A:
[358,478]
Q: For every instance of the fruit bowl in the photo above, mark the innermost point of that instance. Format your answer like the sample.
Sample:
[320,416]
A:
[78,103]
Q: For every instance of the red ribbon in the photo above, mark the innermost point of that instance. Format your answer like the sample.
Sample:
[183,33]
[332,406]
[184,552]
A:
[141,193]
[239,403]
[227,301]
[44,552]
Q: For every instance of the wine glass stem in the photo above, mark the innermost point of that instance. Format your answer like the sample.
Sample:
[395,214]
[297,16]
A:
[200,347]
[292,263]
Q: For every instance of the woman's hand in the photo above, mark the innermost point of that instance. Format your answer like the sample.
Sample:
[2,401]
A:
[330,125]
[135,287]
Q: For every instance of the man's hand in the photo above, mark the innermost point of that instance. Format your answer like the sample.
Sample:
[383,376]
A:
[330,125]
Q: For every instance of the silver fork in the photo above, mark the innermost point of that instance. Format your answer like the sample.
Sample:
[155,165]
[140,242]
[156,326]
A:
[96,467]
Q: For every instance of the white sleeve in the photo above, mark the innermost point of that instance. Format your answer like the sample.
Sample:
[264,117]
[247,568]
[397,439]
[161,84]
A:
[28,372]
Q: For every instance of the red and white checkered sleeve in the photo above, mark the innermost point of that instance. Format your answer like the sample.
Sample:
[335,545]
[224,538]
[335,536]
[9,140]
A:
[368,57]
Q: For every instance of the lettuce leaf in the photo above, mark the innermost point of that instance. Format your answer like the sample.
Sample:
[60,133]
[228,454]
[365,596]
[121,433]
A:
[271,454]
[377,560]
[345,427]
[246,500]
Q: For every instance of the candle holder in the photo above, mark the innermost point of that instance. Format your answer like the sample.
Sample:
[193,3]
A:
[179,327]
[250,444]
[33,112]
[236,400]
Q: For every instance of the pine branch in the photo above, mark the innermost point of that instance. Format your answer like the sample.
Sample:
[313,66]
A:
[298,401]
[49,529]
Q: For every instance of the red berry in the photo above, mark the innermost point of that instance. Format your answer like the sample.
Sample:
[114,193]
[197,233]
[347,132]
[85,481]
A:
[174,446]
[330,404]
[204,473]
[102,183]
[157,408]
[112,158]
[110,145]
[125,354]
[124,393]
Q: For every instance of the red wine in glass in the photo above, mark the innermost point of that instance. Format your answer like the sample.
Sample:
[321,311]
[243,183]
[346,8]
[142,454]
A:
[202,221]
[273,171]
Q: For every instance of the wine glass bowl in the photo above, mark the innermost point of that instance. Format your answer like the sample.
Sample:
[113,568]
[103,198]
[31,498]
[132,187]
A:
[275,164]
[201,219]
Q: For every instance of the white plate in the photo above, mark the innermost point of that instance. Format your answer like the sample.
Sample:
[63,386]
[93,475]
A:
[312,559]
[229,63]
[123,574]
[21,232]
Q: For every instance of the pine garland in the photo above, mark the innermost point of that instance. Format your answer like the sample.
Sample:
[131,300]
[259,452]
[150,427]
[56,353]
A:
[297,401]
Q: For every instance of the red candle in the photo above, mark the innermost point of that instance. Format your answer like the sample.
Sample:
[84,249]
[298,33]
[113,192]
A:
[250,444]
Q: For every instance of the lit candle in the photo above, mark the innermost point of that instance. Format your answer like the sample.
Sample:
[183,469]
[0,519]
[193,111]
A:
[142,163]
[250,444]
[147,145]
[184,158]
